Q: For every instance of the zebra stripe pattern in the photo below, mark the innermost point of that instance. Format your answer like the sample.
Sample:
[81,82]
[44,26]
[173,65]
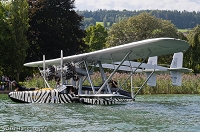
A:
[103,101]
[43,96]
[98,101]
[54,96]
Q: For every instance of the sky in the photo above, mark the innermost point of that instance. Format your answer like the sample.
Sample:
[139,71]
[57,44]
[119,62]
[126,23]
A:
[180,5]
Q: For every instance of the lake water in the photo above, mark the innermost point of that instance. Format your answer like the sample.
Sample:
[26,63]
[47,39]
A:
[154,113]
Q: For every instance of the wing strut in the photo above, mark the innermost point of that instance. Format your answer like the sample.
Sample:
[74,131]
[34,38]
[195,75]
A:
[44,78]
[61,65]
[133,72]
[44,66]
[103,76]
[111,75]
[92,69]
[89,78]
[144,84]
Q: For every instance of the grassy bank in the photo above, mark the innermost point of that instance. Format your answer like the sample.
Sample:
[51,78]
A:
[183,30]
[190,83]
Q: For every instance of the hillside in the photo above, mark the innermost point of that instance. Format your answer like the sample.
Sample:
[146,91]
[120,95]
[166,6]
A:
[182,20]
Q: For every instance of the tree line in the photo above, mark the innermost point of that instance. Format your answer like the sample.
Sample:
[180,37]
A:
[146,26]
[181,19]
[30,29]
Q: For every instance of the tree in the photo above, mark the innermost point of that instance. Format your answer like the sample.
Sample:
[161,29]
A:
[192,54]
[118,34]
[15,43]
[141,27]
[182,19]
[88,22]
[19,27]
[5,37]
[111,23]
[105,22]
[95,37]
[54,26]
[166,29]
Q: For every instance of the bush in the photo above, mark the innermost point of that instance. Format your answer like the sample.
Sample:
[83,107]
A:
[190,83]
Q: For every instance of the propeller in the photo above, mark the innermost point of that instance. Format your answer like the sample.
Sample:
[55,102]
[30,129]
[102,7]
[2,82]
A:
[53,71]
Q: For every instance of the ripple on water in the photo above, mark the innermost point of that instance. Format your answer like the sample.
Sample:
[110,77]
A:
[147,113]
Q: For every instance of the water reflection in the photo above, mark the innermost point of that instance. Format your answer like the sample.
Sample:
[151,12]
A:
[147,113]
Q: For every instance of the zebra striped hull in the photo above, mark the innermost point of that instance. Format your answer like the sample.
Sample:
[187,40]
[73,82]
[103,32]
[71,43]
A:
[53,96]
[43,96]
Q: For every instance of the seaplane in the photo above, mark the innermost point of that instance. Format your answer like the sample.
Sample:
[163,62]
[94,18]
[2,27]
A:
[74,70]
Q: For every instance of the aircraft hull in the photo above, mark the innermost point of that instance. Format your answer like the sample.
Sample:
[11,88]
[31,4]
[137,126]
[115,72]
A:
[53,96]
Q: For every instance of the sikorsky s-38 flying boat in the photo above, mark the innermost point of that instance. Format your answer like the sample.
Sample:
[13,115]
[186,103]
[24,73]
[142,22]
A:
[74,70]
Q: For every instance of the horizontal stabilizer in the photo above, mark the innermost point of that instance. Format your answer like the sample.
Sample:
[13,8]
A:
[142,65]
[122,68]
[181,70]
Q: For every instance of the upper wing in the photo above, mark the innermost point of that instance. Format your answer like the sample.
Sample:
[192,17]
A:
[140,49]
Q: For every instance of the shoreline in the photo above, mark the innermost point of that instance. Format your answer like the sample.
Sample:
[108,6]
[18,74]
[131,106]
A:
[5,92]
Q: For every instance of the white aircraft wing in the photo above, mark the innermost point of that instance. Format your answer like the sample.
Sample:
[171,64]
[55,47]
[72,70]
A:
[140,49]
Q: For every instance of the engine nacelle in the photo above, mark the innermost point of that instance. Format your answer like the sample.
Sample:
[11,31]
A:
[68,70]
[55,71]
[50,72]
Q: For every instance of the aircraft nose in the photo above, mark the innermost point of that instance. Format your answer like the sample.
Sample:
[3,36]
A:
[10,94]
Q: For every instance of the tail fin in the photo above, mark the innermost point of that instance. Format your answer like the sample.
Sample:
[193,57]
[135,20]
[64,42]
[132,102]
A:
[152,60]
[177,63]
[152,80]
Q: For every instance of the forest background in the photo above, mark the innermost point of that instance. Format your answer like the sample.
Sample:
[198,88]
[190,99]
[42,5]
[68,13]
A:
[30,29]
[181,19]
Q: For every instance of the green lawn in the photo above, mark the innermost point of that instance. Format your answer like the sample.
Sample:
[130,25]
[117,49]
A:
[183,30]
[101,23]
